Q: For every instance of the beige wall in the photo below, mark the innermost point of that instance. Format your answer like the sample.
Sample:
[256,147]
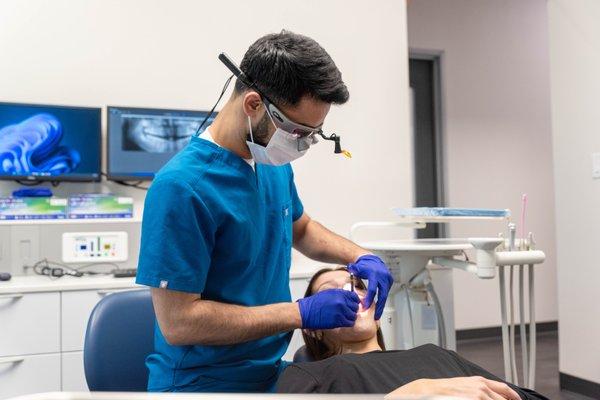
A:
[495,74]
[575,68]
[164,54]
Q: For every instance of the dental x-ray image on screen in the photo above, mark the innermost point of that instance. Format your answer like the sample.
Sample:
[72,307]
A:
[157,134]
[142,140]
[42,142]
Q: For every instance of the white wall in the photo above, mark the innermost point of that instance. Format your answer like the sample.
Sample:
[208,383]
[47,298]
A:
[575,68]
[164,54]
[495,74]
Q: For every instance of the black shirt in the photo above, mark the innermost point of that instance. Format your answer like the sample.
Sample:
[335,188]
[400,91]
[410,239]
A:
[382,372]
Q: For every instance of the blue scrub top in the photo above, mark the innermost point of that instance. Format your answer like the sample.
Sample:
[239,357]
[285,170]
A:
[212,225]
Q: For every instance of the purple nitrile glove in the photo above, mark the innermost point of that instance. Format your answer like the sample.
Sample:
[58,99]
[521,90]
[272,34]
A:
[332,308]
[380,279]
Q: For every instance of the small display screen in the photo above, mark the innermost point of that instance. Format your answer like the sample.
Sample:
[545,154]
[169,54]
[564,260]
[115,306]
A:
[44,142]
[141,140]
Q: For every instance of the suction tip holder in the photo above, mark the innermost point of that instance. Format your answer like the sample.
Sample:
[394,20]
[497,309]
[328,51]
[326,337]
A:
[338,146]
[486,255]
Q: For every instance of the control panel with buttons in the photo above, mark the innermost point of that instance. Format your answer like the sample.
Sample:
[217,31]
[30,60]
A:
[80,247]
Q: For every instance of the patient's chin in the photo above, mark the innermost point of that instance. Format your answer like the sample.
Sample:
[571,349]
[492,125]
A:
[364,328]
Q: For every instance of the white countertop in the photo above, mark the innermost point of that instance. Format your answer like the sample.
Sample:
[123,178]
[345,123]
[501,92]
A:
[37,283]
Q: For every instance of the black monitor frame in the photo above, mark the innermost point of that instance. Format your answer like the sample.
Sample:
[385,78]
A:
[61,178]
[115,177]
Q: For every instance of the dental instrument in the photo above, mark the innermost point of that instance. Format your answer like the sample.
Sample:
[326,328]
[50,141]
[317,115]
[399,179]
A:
[408,261]
[522,332]
[350,286]
[511,345]
[505,335]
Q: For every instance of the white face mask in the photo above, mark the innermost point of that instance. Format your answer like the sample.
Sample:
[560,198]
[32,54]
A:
[281,149]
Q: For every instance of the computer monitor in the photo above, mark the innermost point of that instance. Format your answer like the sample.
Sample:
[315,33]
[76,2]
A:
[49,143]
[141,140]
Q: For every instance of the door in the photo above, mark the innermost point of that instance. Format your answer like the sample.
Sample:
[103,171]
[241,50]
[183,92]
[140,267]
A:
[426,118]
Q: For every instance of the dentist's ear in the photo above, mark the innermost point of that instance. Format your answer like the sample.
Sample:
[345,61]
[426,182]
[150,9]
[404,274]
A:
[252,105]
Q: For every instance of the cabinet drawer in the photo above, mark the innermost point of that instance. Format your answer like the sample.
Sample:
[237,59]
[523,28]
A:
[30,323]
[73,373]
[21,375]
[76,309]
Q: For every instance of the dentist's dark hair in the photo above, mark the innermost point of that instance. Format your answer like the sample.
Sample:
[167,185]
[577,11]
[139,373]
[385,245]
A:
[317,348]
[286,66]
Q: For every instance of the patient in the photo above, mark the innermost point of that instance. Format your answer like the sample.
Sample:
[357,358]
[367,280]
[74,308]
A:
[354,360]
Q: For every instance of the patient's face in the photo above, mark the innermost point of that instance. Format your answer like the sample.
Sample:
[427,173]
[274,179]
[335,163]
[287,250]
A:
[365,327]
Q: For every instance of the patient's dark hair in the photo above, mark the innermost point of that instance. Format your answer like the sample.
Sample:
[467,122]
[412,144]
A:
[286,66]
[316,348]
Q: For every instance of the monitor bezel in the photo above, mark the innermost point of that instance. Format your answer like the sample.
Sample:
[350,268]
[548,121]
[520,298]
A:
[116,177]
[61,178]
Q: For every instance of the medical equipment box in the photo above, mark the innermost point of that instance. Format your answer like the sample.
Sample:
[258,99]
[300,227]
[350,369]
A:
[18,208]
[90,206]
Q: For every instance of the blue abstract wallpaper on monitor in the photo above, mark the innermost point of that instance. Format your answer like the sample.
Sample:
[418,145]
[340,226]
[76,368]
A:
[48,141]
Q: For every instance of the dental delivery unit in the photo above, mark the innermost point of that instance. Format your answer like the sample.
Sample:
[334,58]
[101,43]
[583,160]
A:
[408,261]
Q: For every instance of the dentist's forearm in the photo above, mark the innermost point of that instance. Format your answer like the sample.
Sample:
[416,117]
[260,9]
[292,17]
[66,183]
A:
[186,319]
[319,243]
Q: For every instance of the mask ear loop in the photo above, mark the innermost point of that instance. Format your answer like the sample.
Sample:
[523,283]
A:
[250,127]
[250,123]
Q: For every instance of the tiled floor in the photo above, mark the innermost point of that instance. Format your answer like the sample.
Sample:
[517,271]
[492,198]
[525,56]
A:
[488,354]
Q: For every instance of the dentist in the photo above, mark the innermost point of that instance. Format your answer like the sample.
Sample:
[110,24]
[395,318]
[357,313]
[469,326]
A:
[220,220]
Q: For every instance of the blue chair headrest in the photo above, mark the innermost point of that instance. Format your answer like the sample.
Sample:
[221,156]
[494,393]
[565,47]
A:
[119,336]
[302,355]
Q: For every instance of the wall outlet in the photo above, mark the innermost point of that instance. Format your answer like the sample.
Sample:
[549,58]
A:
[24,247]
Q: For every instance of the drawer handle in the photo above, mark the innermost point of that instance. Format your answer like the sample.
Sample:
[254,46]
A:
[11,360]
[11,296]
[107,292]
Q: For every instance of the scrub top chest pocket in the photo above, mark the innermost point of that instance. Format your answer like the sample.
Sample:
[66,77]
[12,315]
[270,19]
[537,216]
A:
[279,231]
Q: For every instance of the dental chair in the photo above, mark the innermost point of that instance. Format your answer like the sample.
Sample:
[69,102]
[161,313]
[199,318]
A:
[301,355]
[119,336]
